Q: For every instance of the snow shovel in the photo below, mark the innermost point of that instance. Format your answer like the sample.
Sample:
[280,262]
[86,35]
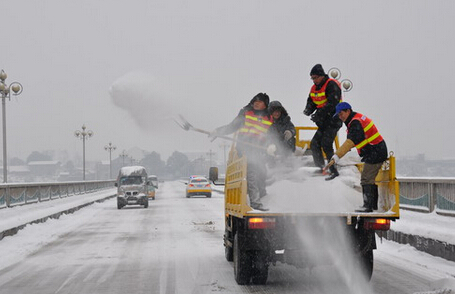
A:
[184,124]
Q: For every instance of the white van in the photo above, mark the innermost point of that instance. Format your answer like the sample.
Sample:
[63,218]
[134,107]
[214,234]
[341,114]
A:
[132,186]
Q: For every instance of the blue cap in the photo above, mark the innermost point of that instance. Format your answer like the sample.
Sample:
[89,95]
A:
[342,106]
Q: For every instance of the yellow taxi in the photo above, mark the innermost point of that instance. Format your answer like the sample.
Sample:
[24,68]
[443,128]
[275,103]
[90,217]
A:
[198,186]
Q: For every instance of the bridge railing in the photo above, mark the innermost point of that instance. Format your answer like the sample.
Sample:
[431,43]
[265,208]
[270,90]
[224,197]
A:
[25,193]
[428,194]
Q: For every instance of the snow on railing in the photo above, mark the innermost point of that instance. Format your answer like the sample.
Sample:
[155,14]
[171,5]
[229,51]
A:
[428,194]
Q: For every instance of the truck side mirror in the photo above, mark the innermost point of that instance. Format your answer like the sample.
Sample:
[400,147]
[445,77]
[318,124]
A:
[213,174]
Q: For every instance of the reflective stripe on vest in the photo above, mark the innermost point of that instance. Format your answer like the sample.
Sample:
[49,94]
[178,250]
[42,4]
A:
[372,135]
[318,96]
[256,124]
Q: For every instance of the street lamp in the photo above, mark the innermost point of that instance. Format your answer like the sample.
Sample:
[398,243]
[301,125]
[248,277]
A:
[82,135]
[17,88]
[335,73]
[123,155]
[110,148]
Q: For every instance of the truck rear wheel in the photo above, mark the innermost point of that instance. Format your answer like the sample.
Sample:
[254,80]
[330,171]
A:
[367,263]
[242,262]
[260,268]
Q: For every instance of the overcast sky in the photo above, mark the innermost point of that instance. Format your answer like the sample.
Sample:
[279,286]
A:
[124,68]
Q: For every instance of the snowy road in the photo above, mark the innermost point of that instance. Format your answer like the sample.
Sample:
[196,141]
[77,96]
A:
[175,246]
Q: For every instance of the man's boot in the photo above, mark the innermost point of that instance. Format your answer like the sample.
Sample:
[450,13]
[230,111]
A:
[375,197]
[333,173]
[368,196]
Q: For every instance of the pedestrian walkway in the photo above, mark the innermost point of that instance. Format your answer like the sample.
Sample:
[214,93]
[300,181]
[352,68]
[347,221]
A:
[16,217]
[429,232]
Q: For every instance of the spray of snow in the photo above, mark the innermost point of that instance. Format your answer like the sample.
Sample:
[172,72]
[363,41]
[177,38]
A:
[140,95]
[294,188]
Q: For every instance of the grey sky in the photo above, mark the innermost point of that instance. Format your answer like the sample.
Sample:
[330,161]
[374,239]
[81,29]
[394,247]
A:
[207,59]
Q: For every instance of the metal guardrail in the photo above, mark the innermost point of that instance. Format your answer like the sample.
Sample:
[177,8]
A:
[428,194]
[26,193]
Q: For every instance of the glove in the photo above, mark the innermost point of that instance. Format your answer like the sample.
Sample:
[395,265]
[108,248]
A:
[315,118]
[271,149]
[335,158]
[306,112]
[287,135]
[332,161]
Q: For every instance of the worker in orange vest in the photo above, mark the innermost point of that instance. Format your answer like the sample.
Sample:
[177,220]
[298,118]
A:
[252,123]
[362,134]
[324,96]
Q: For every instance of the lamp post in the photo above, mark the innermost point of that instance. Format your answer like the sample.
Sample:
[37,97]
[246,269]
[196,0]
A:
[335,73]
[224,145]
[5,90]
[83,135]
[110,148]
[123,155]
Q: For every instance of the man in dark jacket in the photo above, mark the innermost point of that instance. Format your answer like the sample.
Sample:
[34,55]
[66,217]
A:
[363,134]
[282,130]
[252,123]
[324,96]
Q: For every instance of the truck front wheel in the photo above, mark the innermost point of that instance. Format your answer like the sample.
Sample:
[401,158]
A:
[228,251]
[242,262]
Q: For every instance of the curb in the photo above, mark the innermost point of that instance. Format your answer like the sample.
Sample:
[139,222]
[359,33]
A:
[430,246]
[15,230]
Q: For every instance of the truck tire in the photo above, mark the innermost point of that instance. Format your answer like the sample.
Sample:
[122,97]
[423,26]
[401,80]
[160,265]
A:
[367,263]
[260,268]
[228,253]
[242,262]
[228,250]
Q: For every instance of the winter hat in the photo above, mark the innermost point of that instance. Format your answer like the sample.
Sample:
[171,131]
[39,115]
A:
[276,105]
[317,70]
[342,106]
[261,97]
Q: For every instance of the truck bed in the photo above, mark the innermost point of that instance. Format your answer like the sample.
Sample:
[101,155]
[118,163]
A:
[295,190]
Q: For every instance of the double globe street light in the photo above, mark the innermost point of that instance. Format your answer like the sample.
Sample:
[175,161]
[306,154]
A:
[83,135]
[110,148]
[5,91]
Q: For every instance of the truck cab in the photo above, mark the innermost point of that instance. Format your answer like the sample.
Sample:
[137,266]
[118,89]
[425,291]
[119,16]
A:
[132,186]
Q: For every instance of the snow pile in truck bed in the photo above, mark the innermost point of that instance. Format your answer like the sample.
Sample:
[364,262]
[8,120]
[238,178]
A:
[299,190]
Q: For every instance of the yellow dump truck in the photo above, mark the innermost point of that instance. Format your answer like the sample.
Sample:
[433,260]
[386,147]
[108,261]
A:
[254,239]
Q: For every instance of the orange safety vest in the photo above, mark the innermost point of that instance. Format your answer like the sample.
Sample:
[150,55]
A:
[318,96]
[256,125]
[372,135]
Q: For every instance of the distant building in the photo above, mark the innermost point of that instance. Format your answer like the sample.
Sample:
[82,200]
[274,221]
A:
[44,168]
